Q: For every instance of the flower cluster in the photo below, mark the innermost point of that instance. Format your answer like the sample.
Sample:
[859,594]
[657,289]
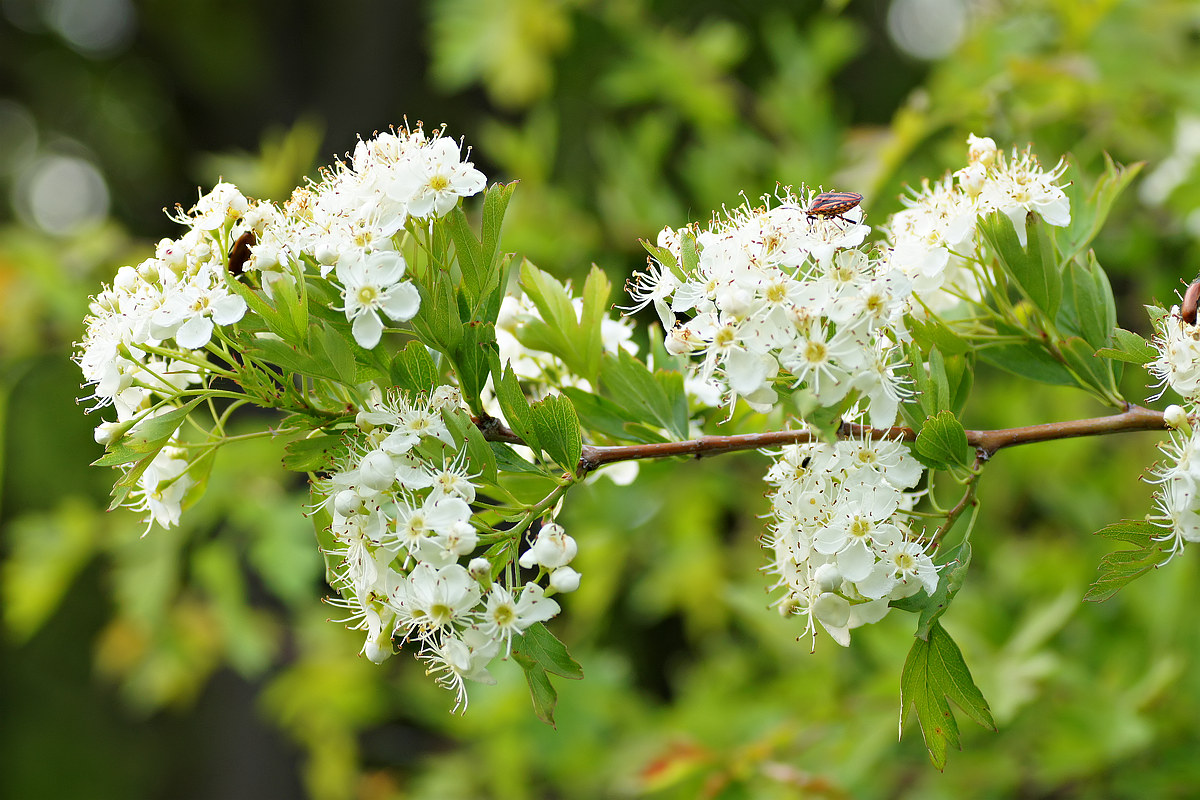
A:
[781,296]
[146,335]
[933,238]
[402,527]
[1178,477]
[841,548]
[348,224]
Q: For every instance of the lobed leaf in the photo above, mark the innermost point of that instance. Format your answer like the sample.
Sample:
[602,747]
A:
[934,675]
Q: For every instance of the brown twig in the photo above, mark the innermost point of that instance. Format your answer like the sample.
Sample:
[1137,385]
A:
[985,442]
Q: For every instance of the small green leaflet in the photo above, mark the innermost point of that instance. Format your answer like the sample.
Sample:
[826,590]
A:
[942,442]
[142,444]
[934,674]
[1129,347]
[557,427]
[1121,568]
[539,652]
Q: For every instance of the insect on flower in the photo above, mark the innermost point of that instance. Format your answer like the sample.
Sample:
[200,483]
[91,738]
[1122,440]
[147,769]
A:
[1191,299]
[239,254]
[832,205]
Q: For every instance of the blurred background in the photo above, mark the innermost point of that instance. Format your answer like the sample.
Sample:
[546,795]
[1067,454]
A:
[197,662]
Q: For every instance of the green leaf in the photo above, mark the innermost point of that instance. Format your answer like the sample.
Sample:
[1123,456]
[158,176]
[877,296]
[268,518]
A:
[628,380]
[1119,569]
[538,652]
[596,290]
[942,441]
[438,323]
[939,386]
[291,359]
[473,358]
[283,322]
[1028,360]
[142,445]
[147,437]
[1088,309]
[1034,267]
[935,674]
[516,409]
[1088,215]
[953,572]
[331,346]
[414,370]
[939,334]
[469,253]
[1092,371]
[558,431]
[314,454]
[495,204]
[925,393]
[1130,347]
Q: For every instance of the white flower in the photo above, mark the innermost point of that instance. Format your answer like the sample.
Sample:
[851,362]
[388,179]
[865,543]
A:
[551,549]
[505,616]
[372,285]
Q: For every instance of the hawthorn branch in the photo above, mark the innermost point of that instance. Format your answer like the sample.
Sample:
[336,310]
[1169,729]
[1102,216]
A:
[985,442]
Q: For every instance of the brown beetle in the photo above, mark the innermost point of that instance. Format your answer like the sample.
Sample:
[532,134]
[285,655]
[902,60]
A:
[1191,299]
[239,254]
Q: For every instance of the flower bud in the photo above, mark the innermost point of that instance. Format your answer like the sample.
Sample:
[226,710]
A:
[972,178]
[564,579]
[832,610]
[479,568]
[108,432]
[1176,418]
[828,577]
[981,150]
[377,471]
[347,502]
[551,549]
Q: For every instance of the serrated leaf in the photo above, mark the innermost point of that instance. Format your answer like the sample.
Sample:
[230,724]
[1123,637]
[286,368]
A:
[313,454]
[939,334]
[942,440]
[934,675]
[414,370]
[544,649]
[147,437]
[1092,371]
[539,652]
[954,563]
[1034,267]
[332,347]
[473,358]
[1119,569]
[628,380]
[292,359]
[1088,214]
[1030,361]
[558,432]
[516,409]
[1088,309]
[1130,347]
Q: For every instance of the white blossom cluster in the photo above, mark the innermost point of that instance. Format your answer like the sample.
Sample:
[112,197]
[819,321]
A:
[1177,366]
[403,527]
[146,333]
[933,239]
[348,224]
[782,296]
[840,544]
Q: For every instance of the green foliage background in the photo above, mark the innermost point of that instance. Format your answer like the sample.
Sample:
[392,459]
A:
[198,663]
